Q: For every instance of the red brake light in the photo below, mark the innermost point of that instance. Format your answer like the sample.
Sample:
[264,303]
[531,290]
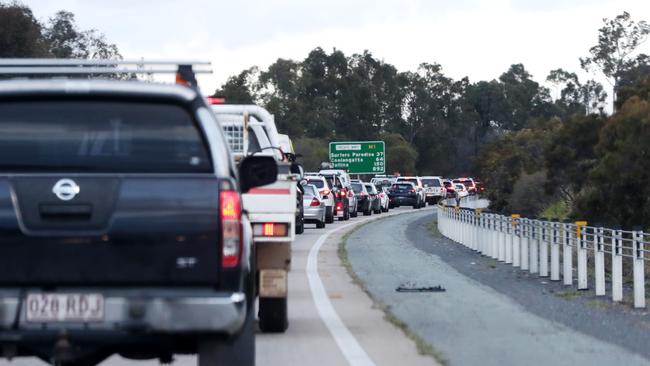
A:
[343,193]
[325,192]
[270,229]
[230,210]
[314,202]
[215,100]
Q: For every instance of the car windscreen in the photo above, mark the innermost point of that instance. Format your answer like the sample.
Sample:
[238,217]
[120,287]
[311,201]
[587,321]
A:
[100,136]
[431,182]
[316,182]
[357,187]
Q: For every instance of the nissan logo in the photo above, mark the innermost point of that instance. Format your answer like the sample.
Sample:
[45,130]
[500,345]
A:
[66,189]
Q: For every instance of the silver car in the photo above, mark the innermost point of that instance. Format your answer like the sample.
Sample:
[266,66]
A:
[326,194]
[314,206]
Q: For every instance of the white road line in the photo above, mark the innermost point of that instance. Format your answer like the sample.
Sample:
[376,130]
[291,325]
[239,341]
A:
[349,346]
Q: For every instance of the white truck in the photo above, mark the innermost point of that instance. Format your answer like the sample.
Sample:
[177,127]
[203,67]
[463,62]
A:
[251,130]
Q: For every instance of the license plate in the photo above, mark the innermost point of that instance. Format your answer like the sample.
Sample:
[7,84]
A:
[44,308]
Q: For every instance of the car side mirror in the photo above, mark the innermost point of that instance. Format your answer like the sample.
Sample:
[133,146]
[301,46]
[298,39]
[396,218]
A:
[256,171]
[297,169]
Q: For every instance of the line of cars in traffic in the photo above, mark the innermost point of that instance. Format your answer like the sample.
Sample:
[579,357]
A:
[332,193]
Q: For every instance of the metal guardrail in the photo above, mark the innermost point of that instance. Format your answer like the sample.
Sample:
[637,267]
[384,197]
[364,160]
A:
[539,246]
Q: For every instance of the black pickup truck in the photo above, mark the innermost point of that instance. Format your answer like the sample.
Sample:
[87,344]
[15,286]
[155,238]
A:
[121,228]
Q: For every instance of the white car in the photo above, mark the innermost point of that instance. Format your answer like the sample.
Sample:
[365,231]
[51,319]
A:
[434,189]
[314,206]
[383,197]
[326,194]
[461,190]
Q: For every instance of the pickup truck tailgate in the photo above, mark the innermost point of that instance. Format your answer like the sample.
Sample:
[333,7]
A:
[273,203]
[105,193]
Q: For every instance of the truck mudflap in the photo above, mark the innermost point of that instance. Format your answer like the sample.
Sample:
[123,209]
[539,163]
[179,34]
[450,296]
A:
[273,262]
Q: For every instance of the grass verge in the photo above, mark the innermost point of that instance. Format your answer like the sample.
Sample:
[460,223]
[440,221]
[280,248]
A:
[568,295]
[432,226]
[423,347]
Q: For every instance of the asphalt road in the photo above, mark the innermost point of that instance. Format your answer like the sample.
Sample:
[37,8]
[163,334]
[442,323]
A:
[471,323]
[332,321]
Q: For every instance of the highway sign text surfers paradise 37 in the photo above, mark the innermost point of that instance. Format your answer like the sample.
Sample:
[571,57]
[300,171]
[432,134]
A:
[359,157]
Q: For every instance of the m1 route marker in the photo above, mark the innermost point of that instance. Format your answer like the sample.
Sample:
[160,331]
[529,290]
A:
[359,157]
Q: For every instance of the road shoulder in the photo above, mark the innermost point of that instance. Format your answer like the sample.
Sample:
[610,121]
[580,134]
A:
[385,343]
[470,323]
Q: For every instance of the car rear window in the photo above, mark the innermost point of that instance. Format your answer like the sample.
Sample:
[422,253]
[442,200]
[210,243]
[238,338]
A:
[412,180]
[431,182]
[100,136]
[310,190]
[468,183]
[317,182]
[402,187]
[357,187]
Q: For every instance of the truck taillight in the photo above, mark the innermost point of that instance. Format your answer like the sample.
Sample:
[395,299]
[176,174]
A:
[230,211]
[270,229]
[216,100]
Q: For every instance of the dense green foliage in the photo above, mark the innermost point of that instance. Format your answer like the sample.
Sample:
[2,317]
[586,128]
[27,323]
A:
[434,124]
[592,166]
[22,35]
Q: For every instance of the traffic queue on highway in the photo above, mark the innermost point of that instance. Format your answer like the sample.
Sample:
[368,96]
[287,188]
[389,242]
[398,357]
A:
[145,220]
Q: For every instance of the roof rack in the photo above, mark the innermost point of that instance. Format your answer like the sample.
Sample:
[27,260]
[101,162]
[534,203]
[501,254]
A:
[185,70]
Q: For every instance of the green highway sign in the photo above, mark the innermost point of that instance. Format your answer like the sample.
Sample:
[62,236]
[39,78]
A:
[359,157]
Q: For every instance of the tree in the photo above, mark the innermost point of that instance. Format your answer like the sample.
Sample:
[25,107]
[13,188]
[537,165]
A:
[65,40]
[576,97]
[526,99]
[20,32]
[571,155]
[617,41]
[400,155]
[241,88]
[619,186]
[314,151]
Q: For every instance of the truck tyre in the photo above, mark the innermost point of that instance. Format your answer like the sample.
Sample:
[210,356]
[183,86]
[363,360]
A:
[300,227]
[273,315]
[237,351]
[329,215]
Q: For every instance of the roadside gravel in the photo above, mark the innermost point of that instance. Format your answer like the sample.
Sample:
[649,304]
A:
[471,323]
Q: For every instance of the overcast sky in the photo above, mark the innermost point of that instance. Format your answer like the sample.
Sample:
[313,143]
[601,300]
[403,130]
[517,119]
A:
[478,39]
